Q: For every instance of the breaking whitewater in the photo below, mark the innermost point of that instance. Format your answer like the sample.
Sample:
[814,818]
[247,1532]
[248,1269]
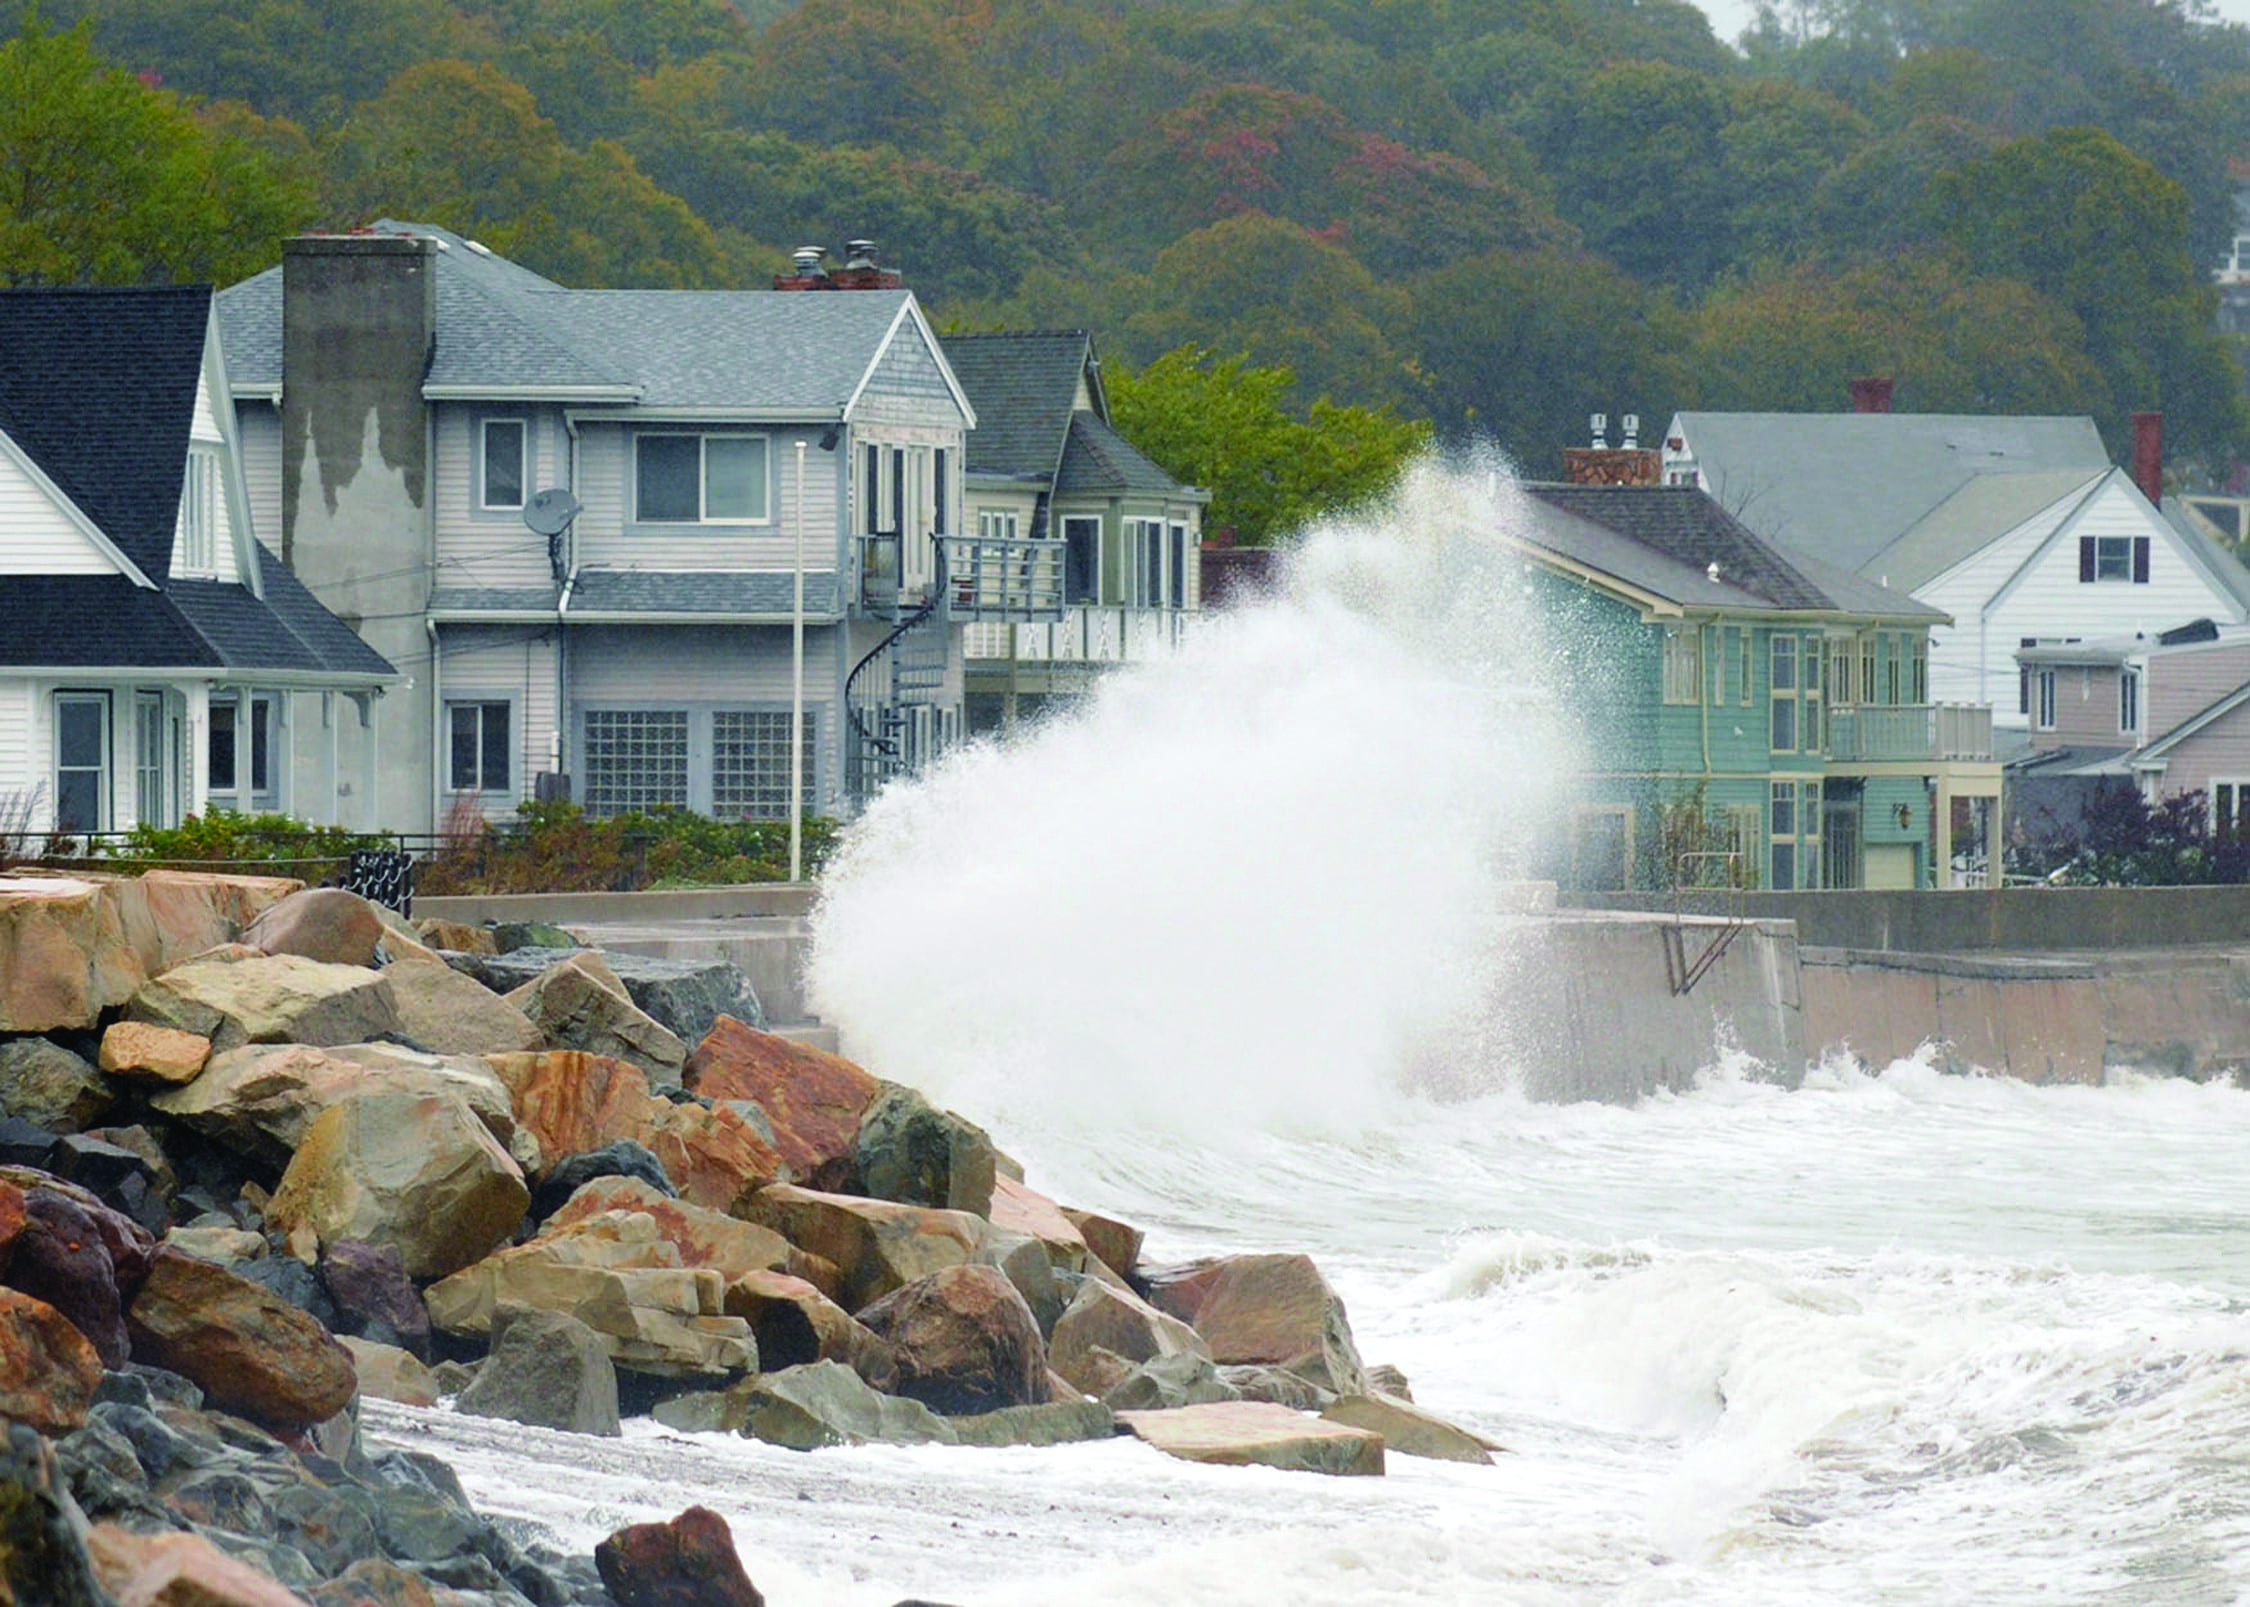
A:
[1892,1337]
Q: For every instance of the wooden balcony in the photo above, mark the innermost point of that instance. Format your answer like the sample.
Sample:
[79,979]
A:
[1910,733]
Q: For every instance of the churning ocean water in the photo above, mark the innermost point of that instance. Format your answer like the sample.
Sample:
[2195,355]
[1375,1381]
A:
[1890,1337]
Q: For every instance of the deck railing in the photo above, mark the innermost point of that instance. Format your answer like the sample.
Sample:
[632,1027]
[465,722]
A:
[985,578]
[1909,733]
[1086,633]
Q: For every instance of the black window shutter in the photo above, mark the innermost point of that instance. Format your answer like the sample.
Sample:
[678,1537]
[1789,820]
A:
[2086,558]
[2140,560]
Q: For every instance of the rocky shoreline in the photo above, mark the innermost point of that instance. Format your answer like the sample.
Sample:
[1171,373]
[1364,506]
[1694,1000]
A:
[266,1151]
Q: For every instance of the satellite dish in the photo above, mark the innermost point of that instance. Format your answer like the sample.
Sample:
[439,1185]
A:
[549,512]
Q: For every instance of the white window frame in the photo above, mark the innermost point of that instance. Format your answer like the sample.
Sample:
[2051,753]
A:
[703,439]
[1175,564]
[256,715]
[1782,646]
[484,784]
[201,501]
[2043,700]
[2103,546]
[1145,541]
[2234,820]
[1093,589]
[996,524]
[485,427]
[1683,665]
[73,697]
[2129,700]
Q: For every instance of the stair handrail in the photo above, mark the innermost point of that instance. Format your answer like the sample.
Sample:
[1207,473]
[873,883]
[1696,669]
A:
[930,605]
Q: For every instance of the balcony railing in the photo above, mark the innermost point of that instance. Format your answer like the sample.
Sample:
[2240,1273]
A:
[975,578]
[1085,634]
[1915,733]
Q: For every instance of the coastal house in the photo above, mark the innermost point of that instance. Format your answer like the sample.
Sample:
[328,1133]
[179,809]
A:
[2019,529]
[592,522]
[1045,461]
[2168,713]
[1755,717]
[156,659]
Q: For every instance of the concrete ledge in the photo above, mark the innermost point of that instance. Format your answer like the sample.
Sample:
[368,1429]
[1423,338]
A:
[682,904]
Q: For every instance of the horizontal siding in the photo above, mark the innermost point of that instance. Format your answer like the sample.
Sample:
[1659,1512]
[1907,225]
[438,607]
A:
[2086,705]
[20,771]
[1968,662]
[2220,751]
[479,548]
[516,664]
[605,536]
[42,539]
[659,664]
[2181,683]
[258,433]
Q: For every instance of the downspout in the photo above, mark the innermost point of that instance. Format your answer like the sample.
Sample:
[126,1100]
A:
[437,725]
[556,745]
[1705,681]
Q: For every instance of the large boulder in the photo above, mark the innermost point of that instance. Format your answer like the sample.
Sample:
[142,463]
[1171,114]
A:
[387,1373]
[1117,1245]
[689,1562]
[619,1276]
[1049,1423]
[813,1100]
[620,1157]
[684,996]
[578,1003]
[80,1257]
[319,923]
[964,1341]
[266,1097]
[825,1403]
[1180,1379]
[1247,1433]
[875,1245]
[43,1083]
[704,1238]
[549,1370]
[1104,1324]
[795,1323]
[249,1350]
[64,955]
[573,1102]
[451,1014]
[459,936]
[277,998]
[1275,1309]
[418,1172]
[48,1370]
[373,1296]
[1018,1209]
[912,1152]
[147,1053]
[510,936]
[1410,1430]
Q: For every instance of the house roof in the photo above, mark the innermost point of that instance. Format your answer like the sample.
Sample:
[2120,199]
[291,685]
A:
[98,388]
[1987,506]
[765,593]
[1663,540]
[1848,485]
[1097,458]
[503,329]
[1024,387]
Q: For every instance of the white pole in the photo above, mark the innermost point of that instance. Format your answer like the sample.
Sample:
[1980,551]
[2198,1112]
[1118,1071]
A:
[797,691]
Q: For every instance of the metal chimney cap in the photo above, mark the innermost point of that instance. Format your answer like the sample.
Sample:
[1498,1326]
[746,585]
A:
[808,258]
[862,253]
[1599,424]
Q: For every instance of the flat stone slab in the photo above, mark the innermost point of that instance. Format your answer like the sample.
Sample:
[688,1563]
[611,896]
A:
[1253,1433]
[1409,1430]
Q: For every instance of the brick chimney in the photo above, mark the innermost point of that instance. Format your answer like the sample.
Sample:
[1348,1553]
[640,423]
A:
[2148,455]
[1871,394]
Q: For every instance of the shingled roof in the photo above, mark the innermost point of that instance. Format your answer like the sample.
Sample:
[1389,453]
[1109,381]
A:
[97,388]
[1024,387]
[1664,540]
[1097,458]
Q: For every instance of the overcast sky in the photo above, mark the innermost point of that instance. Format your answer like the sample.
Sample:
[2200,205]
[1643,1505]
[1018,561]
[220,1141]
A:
[1730,17]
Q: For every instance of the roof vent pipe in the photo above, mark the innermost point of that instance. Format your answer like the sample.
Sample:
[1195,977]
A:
[862,254]
[1632,431]
[1871,394]
[808,258]
[2148,456]
[1599,424]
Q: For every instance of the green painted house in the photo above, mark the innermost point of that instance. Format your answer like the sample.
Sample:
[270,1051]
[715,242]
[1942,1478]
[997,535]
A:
[1752,715]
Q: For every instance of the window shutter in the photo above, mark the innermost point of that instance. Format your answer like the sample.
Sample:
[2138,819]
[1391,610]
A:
[2086,558]
[2140,560]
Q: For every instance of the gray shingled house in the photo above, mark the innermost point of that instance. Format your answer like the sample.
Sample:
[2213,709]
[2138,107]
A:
[577,518]
[1044,461]
[156,660]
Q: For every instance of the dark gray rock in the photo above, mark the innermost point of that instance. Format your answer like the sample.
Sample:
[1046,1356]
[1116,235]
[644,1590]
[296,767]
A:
[1277,1386]
[546,1369]
[24,1143]
[44,1083]
[42,1530]
[1052,1423]
[294,1282]
[1163,1382]
[683,996]
[912,1152]
[416,1525]
[330,1529]
[222,1498]
[158,1448]
[620,1157]
[826,1403]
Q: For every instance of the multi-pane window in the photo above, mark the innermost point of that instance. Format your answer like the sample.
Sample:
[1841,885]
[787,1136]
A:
[234,729]
[994,524]
[478,747]
[700,479]
[2129,701]
[81,761]
[1781,827]
[636,760]
[1082,559]
[1843,659]
[1867,662]
[1747,665]
[199,513]
[1918,665]
[2230,809]
[940,519]
[503,474]
[1742,840]
[1683,664]
[1178,565]
[750,764]
[1783,651]
[1145,546]
[2113,557]
[2043,716]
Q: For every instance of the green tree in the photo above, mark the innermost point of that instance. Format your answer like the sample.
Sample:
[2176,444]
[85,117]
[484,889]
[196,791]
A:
[1520,347]
[1780,144]
[1225,425]
[104,180]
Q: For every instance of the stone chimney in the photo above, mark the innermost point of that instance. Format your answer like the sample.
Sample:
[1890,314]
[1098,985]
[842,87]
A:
[1871,394]
[2148,455]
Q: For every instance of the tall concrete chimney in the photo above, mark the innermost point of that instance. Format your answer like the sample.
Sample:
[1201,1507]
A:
[2148,455]
[1871,394]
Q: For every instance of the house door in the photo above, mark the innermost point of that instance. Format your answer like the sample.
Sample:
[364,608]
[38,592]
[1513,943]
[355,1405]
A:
[156,770]
[1840,864]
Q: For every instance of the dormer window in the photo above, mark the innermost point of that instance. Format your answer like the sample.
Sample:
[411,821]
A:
[198,533]
[503,464]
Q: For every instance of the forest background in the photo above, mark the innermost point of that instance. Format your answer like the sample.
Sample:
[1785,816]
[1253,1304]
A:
[1362,221]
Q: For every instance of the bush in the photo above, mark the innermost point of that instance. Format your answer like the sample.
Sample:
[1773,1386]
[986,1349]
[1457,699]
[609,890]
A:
[558,848]
[227,837]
